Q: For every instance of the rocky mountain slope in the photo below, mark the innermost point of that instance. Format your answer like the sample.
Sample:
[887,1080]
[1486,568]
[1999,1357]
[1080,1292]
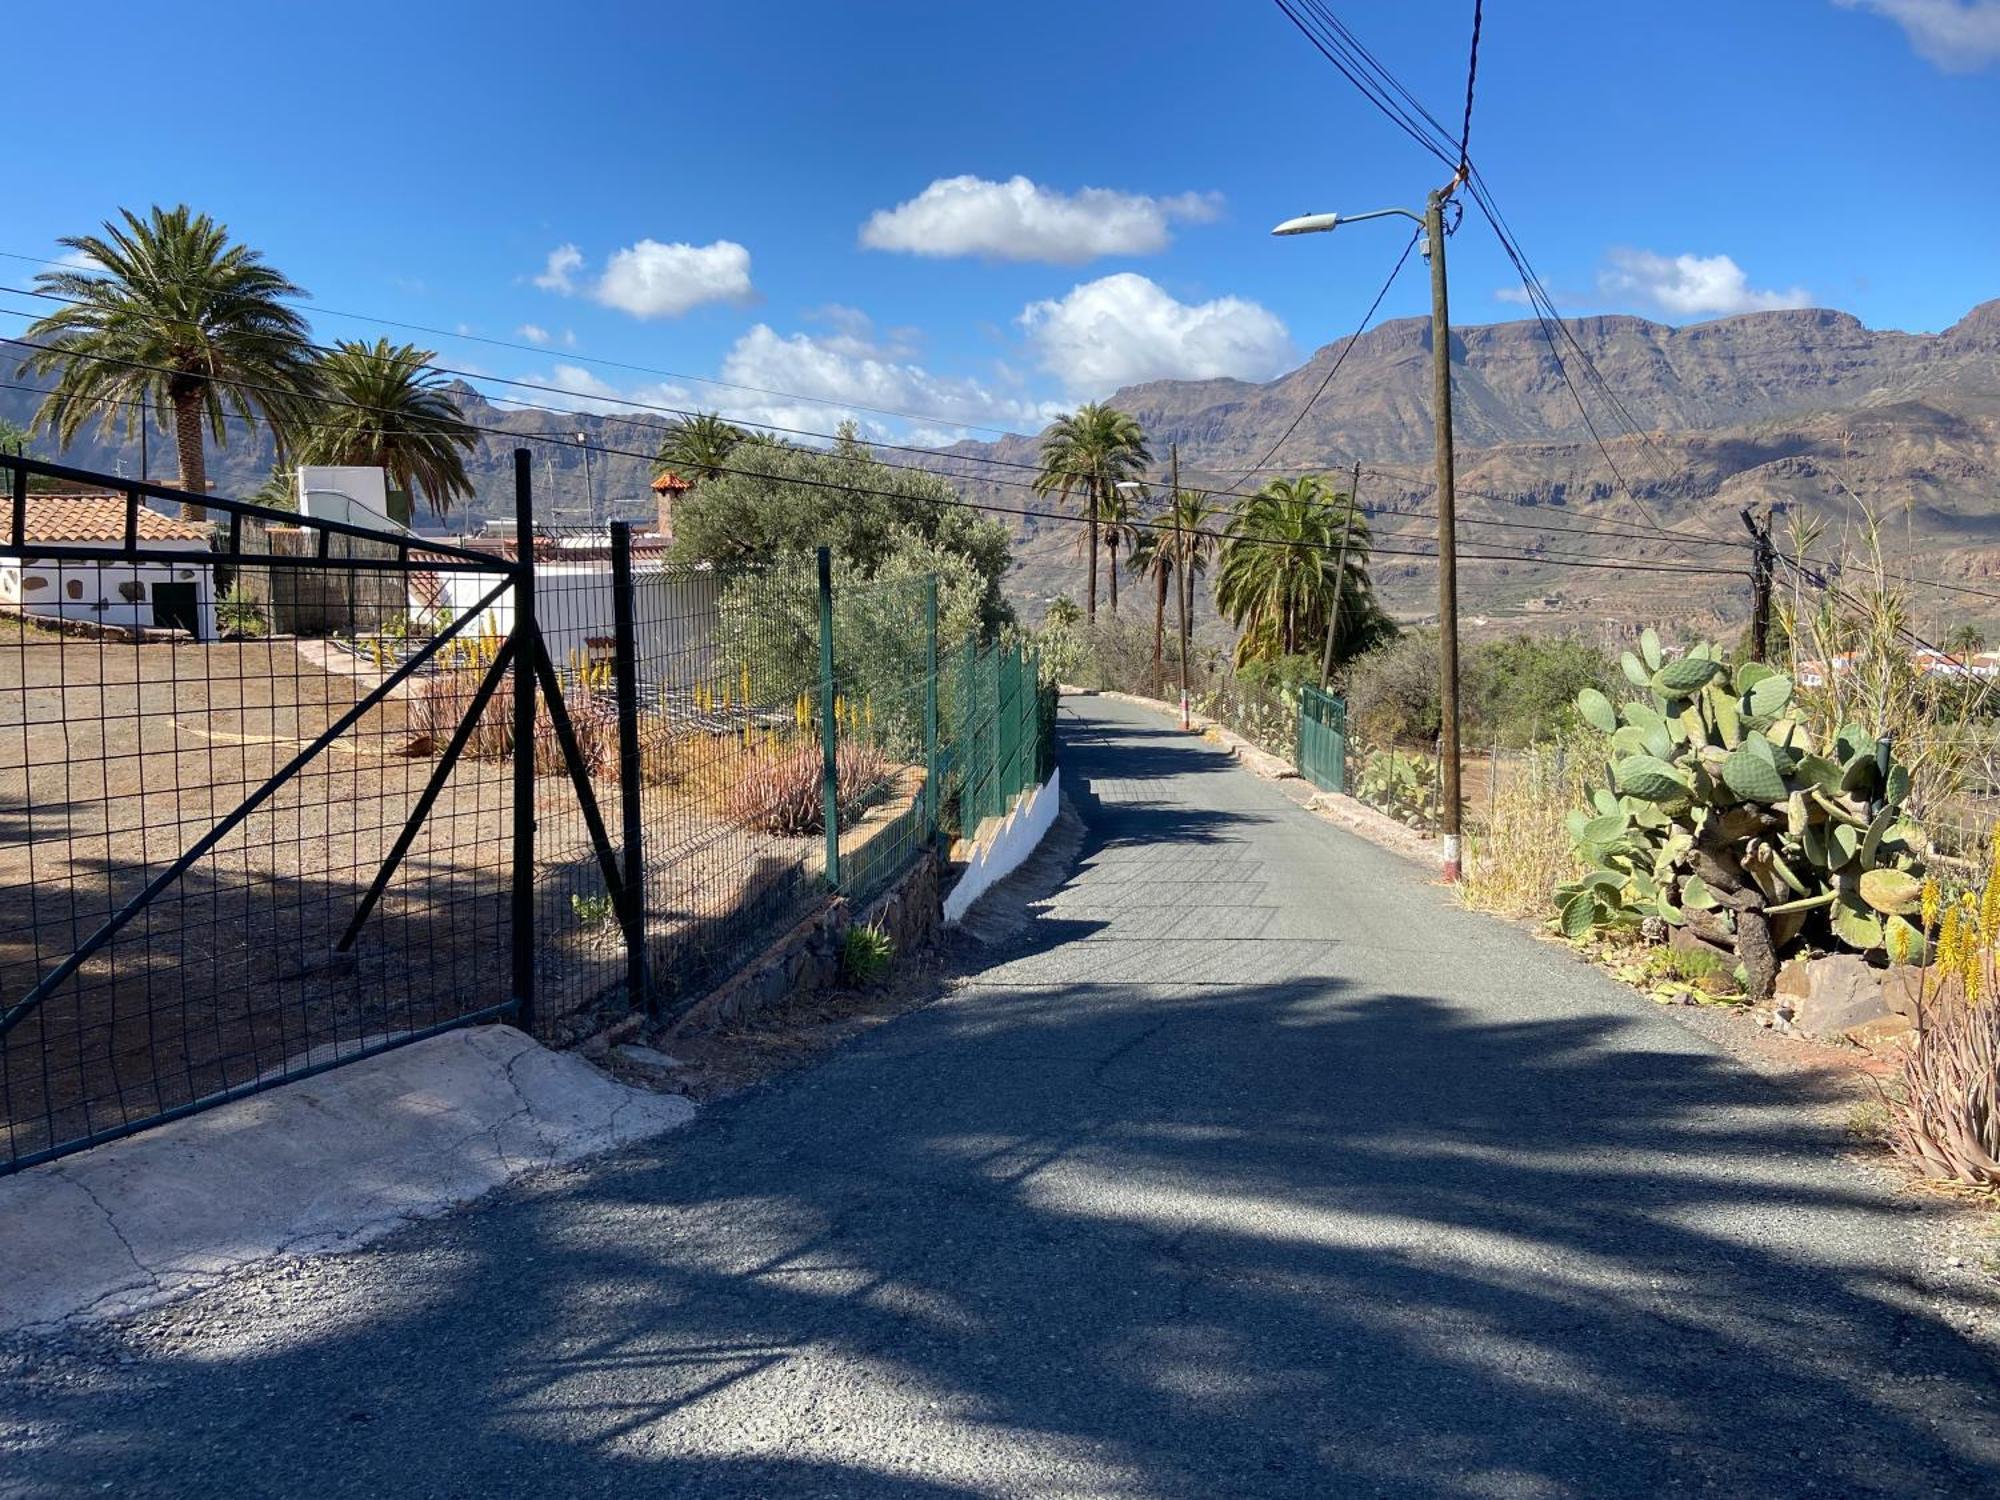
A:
[1807,408]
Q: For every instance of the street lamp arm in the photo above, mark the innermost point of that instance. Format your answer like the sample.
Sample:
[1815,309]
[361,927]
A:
[1320,223]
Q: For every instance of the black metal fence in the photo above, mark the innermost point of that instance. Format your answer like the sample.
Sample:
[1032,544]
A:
[278,792]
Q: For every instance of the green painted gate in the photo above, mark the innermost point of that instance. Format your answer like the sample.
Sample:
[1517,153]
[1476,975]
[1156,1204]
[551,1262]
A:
[1322,739]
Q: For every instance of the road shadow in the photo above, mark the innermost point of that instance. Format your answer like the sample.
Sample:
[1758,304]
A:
[1306,1237]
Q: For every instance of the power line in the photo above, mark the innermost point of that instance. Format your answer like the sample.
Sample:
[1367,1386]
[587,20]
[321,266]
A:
[589,359]
[1339,360]
[842,486]
[1471,74]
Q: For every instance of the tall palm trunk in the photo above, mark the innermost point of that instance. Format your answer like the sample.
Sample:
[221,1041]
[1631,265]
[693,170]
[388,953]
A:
[1090,589]
[1111,546]
[1160,571]
[193,455]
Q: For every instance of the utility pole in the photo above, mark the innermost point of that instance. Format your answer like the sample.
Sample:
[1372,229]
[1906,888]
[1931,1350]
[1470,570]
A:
[589,499]
[1447,499]
[1340,576]
[1432,223]
[1763,564]
[1183,576]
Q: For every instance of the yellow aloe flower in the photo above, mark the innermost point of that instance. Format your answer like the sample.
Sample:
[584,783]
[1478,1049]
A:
[1930,904]
[1899,944]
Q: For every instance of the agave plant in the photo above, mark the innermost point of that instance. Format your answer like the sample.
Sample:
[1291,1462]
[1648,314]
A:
[1720,815]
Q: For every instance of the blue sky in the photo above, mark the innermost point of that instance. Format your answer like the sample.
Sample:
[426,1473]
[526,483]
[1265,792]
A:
[823,199]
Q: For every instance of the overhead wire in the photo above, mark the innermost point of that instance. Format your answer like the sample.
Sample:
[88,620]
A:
[844,486]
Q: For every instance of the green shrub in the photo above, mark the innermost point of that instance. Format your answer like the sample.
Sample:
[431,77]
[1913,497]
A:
[865,954]
[239,613]
[591,911]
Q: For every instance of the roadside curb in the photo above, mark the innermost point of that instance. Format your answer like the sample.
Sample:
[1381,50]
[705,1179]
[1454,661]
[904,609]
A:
[325,1163]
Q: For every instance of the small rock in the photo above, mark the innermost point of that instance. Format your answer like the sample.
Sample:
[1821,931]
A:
[647,1058]
[1829,995]
[1881,1031]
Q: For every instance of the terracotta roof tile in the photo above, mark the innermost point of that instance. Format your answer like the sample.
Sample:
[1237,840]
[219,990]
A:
[98,518]
[670,481]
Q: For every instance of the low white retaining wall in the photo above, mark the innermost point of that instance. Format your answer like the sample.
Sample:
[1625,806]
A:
[1011,843]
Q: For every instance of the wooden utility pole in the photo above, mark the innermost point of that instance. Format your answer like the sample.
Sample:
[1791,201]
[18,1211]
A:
[1763,564]
[1340,577]
[1447,499]
[1183,574]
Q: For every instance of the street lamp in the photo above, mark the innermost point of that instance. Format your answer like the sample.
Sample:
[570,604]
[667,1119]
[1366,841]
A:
[1432,220]
[1183,575]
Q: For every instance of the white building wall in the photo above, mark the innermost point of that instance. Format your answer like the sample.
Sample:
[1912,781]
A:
[97,592]
[674,613]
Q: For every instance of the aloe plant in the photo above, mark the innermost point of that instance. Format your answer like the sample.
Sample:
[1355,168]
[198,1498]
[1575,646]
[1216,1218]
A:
[1722,816]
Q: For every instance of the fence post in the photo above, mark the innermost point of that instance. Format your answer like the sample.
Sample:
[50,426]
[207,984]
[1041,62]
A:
[968,744]
[625,663]
[828,729]
[930,708]
[526,644]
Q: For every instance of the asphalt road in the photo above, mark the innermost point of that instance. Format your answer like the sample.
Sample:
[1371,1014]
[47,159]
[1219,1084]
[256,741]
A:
[1257,1168]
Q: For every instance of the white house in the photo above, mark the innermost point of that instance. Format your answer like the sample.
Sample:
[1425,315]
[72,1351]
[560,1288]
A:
[153,594]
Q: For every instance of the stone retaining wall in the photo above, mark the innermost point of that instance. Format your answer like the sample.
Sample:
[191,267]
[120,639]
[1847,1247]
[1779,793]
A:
[806,960]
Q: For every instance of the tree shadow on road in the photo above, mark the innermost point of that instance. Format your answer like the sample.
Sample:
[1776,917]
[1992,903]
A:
[1307,1237]
[1188,1248]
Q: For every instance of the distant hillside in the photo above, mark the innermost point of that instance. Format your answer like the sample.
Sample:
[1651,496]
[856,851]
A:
[1805,407]
[1798,407]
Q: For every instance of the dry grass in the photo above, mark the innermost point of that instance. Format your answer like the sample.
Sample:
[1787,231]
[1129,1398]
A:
[1526,850]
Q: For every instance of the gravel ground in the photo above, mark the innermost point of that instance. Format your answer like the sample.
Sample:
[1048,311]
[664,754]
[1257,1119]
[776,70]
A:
[1252,1166]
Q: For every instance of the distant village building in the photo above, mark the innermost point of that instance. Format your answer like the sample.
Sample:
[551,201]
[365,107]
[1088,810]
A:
[150,595]
[1976,664]
[667,489]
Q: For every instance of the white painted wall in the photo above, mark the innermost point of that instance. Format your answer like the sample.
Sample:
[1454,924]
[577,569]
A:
[674,613]
[356,494]
[1032,815]
[94,591]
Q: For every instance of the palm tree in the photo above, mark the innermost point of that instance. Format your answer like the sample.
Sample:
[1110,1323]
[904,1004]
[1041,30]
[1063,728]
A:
[1115,526]
[166,310]
[388,409]
[1177,538]
[698,447]
[1088,453]
[1965,641]
[1280,556]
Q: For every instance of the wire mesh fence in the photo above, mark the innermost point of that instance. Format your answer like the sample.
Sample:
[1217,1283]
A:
[198,809]
[278,792]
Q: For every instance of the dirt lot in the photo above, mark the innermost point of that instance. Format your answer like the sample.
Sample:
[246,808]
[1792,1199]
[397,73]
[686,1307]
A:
[116,757]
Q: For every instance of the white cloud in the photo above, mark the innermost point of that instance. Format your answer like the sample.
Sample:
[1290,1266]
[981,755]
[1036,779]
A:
[1959,36]
[533,333]
[1690,286]
[855,377]
[1021,220]
[1124,329]
[652,280]
[563,263]
[1517,295]
[848,374]
[573,388]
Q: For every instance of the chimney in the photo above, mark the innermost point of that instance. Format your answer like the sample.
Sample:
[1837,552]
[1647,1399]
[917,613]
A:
[668,488]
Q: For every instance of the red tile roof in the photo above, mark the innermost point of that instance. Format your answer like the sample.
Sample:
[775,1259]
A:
[95,518]
[669,480]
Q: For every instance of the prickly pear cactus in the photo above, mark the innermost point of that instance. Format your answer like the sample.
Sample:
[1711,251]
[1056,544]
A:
[1720,816]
